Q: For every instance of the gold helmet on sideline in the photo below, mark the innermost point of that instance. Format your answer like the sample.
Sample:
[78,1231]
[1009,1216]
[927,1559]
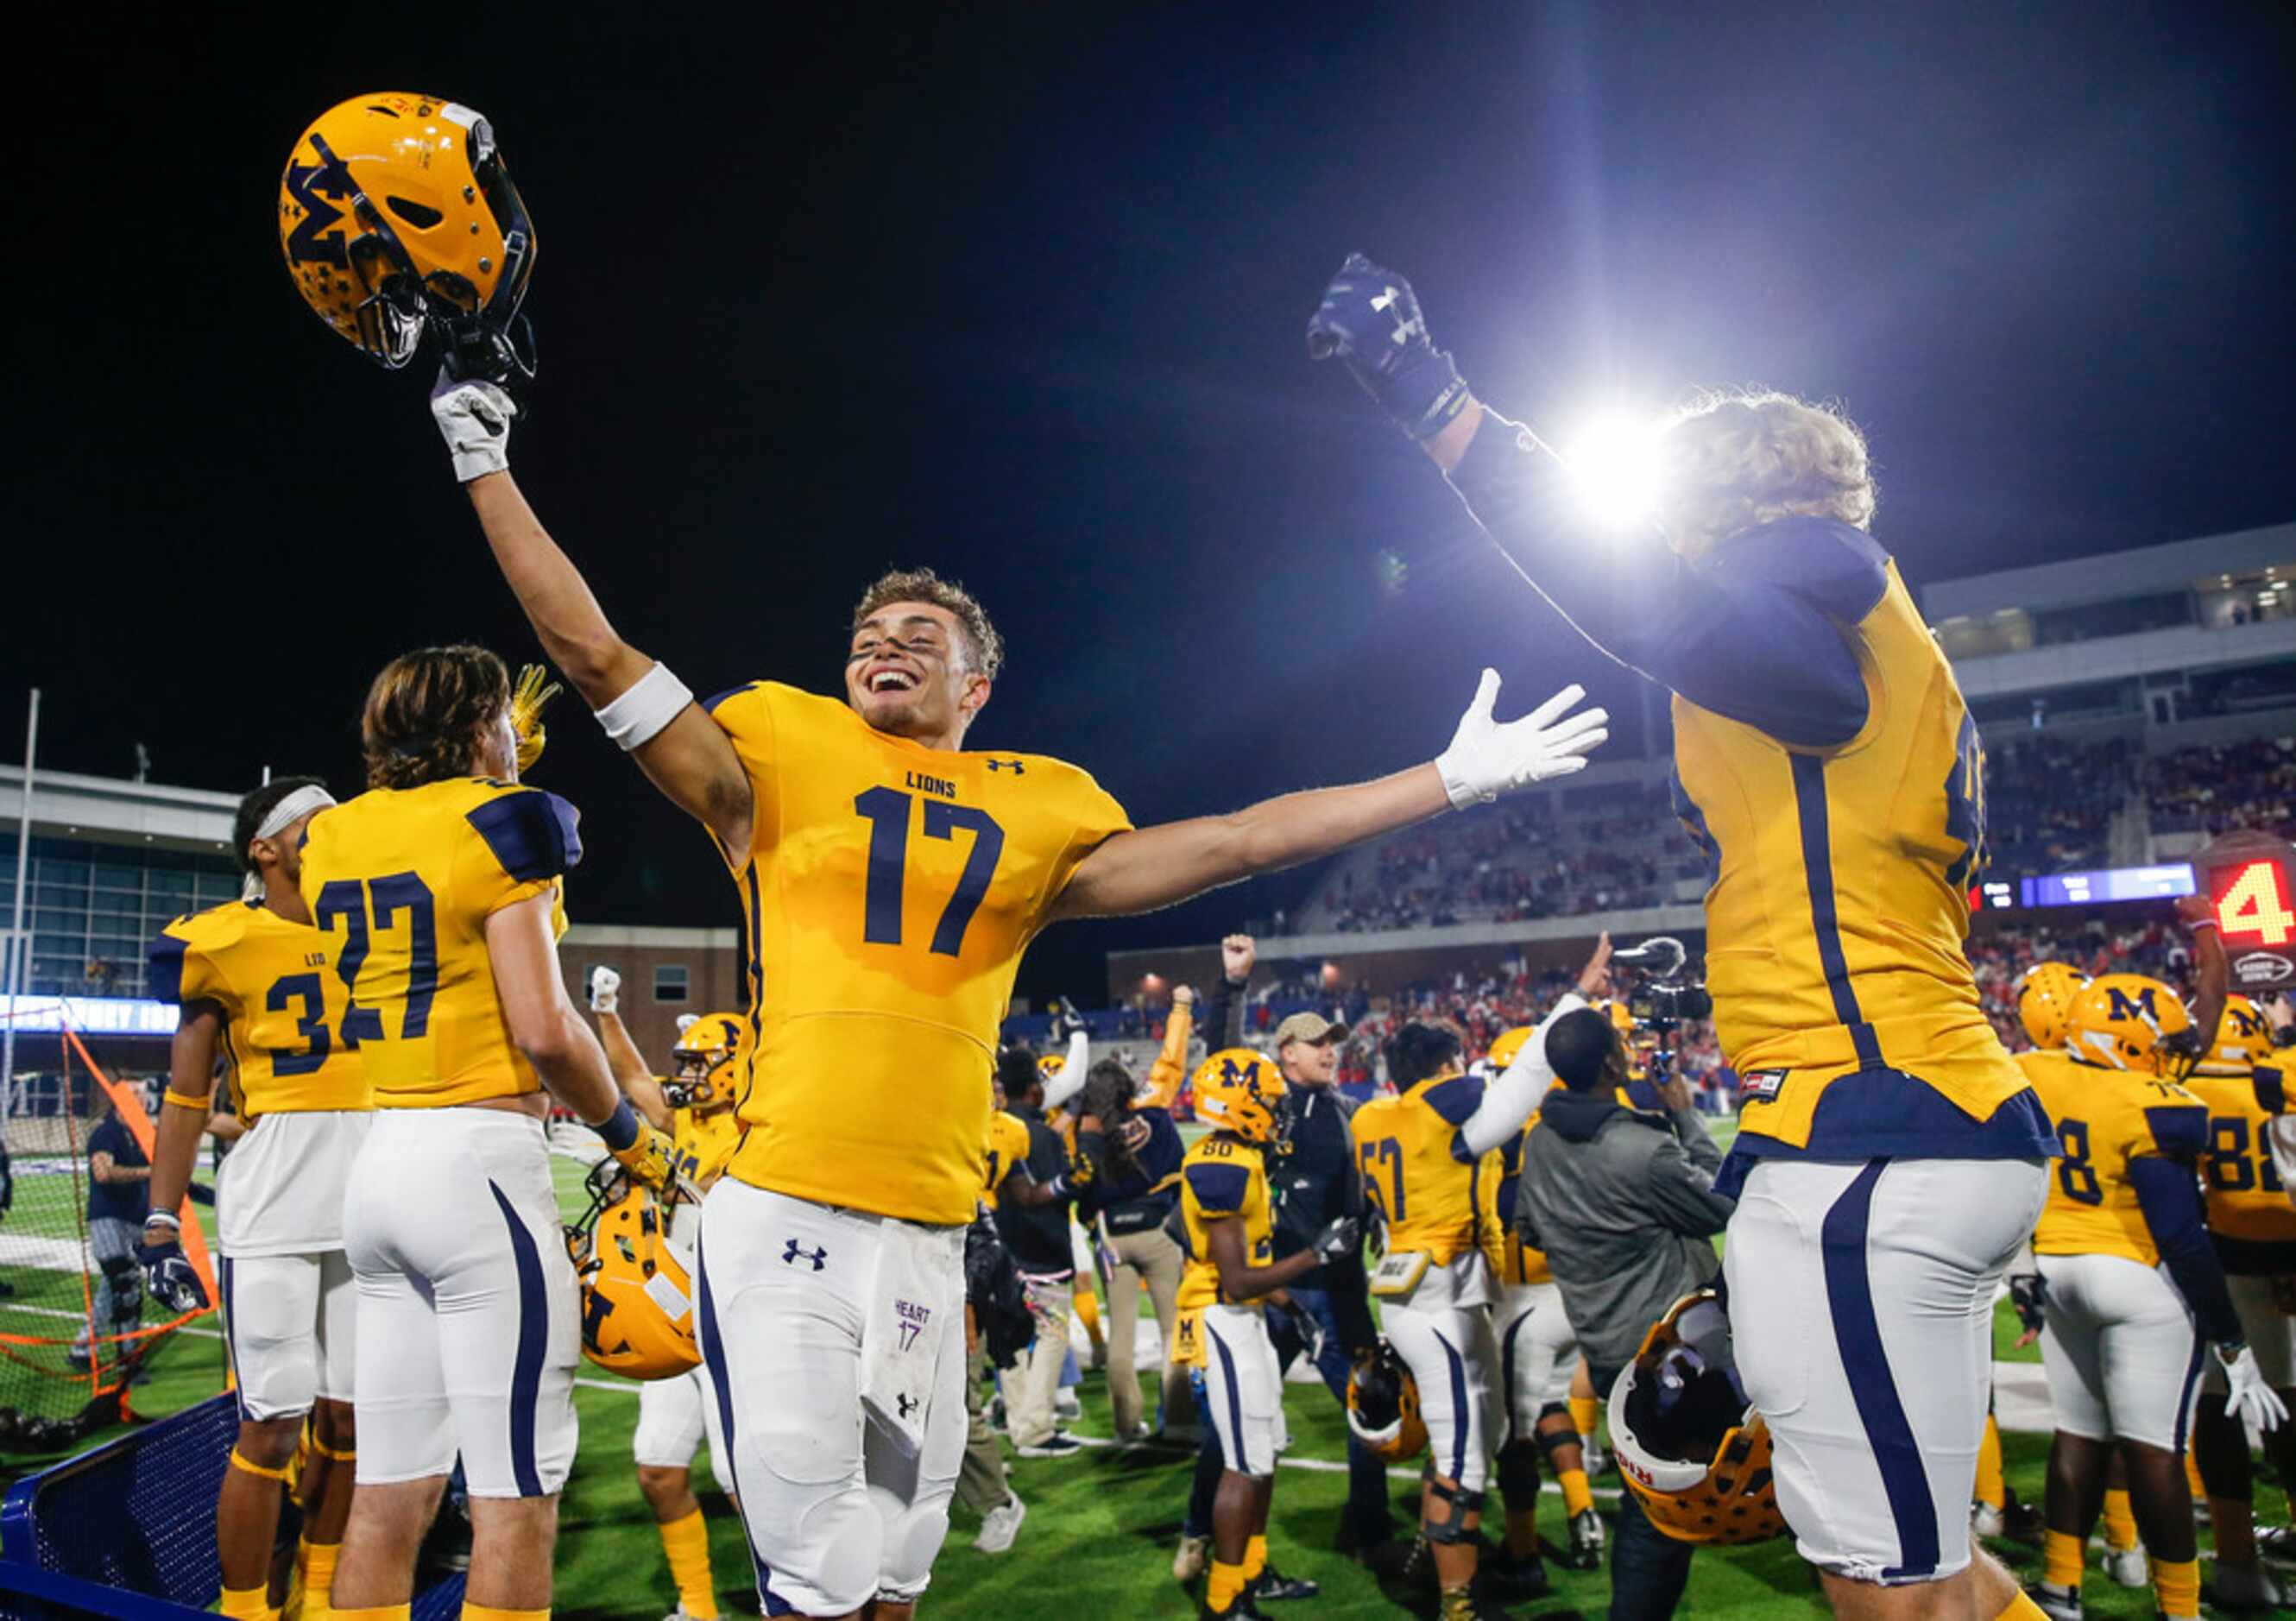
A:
[702,1063]
[395,211]
[2243,1041]
[1383,1405]
[2130,1021]
[2045,1002]
[1240,1091]
[1509,1046]
[637,1295]
[1691,1450]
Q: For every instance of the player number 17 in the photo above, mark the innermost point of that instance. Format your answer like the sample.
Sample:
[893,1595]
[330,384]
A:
[887,812]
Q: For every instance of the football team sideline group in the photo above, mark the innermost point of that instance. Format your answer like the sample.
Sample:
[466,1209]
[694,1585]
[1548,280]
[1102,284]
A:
[802,1194]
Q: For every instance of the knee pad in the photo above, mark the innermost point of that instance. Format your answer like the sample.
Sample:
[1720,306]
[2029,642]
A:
[1457,1504]
[1518,1471]
[1552,1441]
[1554,1409]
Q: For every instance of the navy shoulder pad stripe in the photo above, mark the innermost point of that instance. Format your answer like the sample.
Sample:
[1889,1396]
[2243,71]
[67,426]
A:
[2179,1129]
[1219,1188]
[711,702]
[164,970]
[532,833]
[1457,1099]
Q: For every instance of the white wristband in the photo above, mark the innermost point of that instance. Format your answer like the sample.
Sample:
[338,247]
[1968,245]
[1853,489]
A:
[637,716]
[164,1219]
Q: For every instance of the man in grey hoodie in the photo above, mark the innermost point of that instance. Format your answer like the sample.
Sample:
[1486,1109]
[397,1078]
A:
[1623,1203]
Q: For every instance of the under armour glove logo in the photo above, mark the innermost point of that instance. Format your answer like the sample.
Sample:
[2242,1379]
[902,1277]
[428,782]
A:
[797,1252]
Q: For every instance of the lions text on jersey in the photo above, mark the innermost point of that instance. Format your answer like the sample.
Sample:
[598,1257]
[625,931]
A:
[890,892]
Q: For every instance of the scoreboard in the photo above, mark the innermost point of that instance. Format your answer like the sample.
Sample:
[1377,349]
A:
[2248,878]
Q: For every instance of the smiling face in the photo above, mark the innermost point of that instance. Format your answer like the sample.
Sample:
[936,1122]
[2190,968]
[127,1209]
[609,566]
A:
[909,673]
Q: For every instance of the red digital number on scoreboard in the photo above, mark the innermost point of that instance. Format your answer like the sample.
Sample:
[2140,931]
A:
[2252,903]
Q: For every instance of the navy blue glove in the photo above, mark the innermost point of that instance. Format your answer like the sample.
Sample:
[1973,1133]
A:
[169,1278]
[1370,319]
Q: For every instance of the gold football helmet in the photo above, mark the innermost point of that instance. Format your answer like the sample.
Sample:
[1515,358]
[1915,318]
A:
[2244,1040]
[1688,1446]
[2045,1001]
[2128,1022]
[397,211]
[1383,1406]
[1509,1046]
[702,1063]
[637,1295]
[1238,1090]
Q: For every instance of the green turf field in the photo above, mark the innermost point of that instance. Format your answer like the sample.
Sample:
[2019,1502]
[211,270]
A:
[1101,1526]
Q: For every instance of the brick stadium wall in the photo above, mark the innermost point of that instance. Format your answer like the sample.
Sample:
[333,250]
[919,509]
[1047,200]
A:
[709,956]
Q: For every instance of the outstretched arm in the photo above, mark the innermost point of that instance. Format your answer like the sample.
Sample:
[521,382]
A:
[675,743]
[1159,866]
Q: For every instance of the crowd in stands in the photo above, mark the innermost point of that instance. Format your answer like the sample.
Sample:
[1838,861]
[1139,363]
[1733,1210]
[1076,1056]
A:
[2212,790]
[2049,804]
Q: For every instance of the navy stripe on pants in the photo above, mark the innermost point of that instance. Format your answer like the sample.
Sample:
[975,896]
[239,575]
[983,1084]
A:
[533,1344]
[2192,1378]
[1458,1406]
[1232,1443]
[1857,1335]
[230,1352]
[713,1357]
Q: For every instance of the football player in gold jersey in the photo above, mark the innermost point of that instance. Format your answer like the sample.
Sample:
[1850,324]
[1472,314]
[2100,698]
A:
[436,891]
[1231,1272]
[2128,1273]
[677,1415]
[1890,1158]
[891,879]
[251,977]
[2253,1229]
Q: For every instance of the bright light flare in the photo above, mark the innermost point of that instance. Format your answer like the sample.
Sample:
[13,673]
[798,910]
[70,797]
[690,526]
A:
[1613,463]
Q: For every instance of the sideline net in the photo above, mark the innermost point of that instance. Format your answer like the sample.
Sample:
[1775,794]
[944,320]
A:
[75,1323]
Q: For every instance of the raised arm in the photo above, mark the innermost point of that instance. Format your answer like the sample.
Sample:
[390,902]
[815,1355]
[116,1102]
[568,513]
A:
[643,707]
[1508,1101]
[1171,1066]
[622,1054]
[1159,866]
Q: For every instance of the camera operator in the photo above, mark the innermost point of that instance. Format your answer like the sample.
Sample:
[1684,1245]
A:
[1623,1203]
[1313,1184]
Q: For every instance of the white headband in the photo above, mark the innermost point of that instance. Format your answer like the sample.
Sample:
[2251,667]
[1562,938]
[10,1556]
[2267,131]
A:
[302,802]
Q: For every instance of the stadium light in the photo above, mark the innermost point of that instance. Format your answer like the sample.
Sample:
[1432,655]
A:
[1613,463]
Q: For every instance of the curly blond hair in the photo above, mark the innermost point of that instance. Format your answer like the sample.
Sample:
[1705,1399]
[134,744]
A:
[424,713]
[924,585]
[1730,461]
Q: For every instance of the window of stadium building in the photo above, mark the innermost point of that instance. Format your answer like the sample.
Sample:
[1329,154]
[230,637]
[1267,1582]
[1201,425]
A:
[670,982]
[94,908]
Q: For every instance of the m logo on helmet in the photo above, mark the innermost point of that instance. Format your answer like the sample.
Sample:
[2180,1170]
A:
[2139,1006]
[1231,1070]
[315,238]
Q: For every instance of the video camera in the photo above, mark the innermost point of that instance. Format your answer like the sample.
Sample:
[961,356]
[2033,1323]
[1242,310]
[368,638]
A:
[1665,997]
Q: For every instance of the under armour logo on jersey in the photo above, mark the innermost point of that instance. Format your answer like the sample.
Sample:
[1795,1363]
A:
[1016,768]
[797,1252]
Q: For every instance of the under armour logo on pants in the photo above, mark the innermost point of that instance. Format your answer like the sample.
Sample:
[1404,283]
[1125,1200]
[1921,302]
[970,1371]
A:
[797,1252]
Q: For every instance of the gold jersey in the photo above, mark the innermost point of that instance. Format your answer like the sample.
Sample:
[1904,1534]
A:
[1008,1146]
[1408,1149]
[1838,905]
[2105,1118]
[1223,1178]
[1513,1262]
[2246,1200]
[401,882]
[702,1145]
[285,1046]
[890,892]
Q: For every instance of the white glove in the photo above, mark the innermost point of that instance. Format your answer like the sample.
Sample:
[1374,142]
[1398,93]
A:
[2253,1400]
[474,418]
[605,990]
[1488,757]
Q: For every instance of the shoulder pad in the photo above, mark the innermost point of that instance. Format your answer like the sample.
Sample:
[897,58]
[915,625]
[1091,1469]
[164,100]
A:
[1219,1188]
[531,831]
[1838,571]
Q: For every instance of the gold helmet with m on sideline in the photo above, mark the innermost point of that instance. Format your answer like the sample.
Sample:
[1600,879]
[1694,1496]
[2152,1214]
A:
[637,1294]
[1240,1091]
[701,1063]
[396,214]
[2244,1040]
[2045,1002]
[2131,1022]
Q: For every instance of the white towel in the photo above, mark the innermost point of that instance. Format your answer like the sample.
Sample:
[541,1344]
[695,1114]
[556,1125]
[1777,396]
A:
[901,1337]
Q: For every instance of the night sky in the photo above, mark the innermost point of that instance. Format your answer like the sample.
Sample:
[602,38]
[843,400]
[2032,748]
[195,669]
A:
[1020,295]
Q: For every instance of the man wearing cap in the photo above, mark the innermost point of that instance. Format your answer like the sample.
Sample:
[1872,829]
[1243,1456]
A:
[1314,1184]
